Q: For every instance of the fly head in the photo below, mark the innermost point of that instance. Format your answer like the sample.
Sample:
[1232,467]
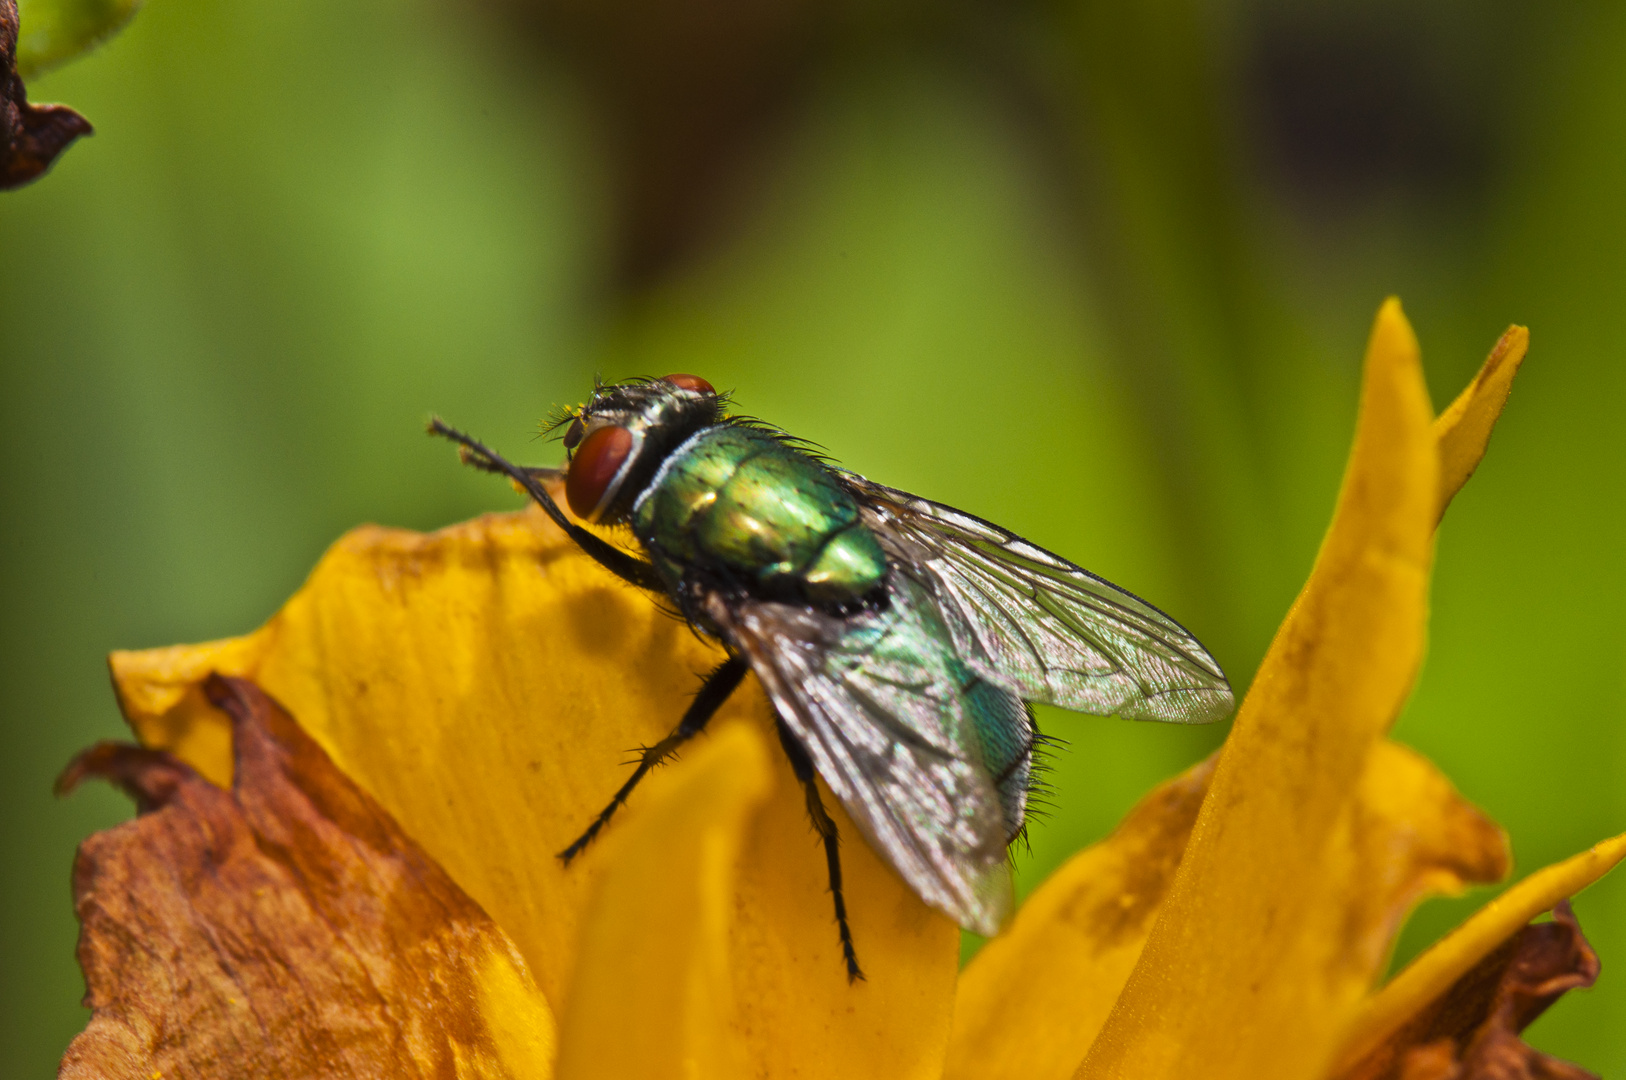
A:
[615,443]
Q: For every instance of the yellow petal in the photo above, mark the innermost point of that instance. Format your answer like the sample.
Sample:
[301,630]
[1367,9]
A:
[797,1011]
[1239,977]
[1432,973]
[651,996]
[1463,430]
[1409,835]
[1034,998]
[485,683]
[161,694]
[1032,1001]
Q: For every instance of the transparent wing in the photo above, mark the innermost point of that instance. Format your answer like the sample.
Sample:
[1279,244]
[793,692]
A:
[1032,621]
[886,712]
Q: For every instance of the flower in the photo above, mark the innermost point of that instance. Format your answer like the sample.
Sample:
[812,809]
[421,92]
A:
[403,747]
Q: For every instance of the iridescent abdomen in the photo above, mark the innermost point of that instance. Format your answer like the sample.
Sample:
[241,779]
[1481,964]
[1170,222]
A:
[737,500]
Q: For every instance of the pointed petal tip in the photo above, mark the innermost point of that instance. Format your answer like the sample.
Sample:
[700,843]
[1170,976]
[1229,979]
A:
[1392,352]
[1392,331]
[1434,972]
[1333,681]
[1464,429]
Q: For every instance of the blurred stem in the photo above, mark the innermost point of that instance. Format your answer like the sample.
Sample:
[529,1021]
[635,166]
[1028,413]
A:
[1179,277]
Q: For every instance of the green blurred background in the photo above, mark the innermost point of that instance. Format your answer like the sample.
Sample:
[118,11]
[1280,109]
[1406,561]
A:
[1102,275]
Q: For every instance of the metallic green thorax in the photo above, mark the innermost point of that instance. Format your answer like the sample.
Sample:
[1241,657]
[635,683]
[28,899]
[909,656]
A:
[738,500]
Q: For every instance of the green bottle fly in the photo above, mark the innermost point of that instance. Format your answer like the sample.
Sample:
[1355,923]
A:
[899,640]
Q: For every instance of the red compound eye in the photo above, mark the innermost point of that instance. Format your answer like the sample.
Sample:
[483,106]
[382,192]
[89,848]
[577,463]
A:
[593,467]
[690,382]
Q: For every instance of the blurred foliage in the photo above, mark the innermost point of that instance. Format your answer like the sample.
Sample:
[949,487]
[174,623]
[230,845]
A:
[1099,272]
[54,31]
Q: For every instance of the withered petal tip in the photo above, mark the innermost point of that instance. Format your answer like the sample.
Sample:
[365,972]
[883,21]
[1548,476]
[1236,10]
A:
[148,776]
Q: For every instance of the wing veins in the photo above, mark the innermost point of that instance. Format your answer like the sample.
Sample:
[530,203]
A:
[1032,646]
[1042,623]
[1093,602]
[840,684]
[1045,603]
[900,732]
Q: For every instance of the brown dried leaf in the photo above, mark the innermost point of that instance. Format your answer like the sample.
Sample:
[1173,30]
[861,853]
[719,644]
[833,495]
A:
[286,927]
[31,136]
[1471,1032]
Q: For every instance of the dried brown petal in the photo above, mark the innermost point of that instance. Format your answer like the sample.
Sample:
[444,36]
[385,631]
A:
[31,136]
[286,927]
[1471,1032]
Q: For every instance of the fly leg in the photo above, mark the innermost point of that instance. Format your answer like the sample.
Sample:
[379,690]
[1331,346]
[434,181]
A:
[627,567]
[802,765]
[542,474]
[716,689]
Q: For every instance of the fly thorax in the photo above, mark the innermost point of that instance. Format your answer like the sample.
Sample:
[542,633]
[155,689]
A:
[734,501]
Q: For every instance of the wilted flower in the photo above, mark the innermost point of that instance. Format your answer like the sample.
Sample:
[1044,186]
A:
[371,888]
[31,136]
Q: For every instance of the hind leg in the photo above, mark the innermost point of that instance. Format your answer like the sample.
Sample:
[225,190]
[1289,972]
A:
[826,828]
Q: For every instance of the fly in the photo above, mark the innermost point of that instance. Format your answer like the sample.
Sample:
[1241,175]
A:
[899,640]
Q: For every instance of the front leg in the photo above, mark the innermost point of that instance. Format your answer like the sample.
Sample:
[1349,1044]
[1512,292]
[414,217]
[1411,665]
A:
[716,689]
[627,567]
